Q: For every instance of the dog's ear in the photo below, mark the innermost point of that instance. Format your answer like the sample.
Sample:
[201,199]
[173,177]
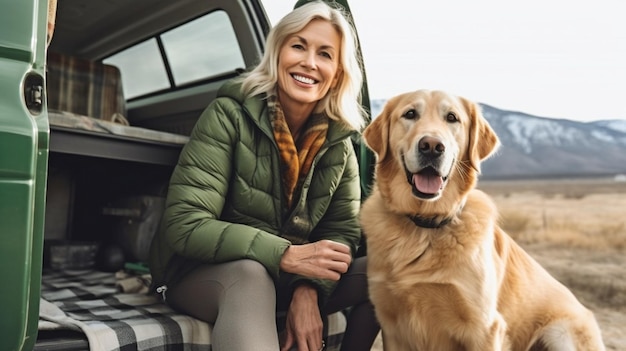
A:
[376,135]
[483,141]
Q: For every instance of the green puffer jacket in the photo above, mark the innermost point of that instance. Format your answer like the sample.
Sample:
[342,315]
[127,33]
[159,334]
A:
[225,198]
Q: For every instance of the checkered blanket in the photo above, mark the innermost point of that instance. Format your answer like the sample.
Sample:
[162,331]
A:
[91,302]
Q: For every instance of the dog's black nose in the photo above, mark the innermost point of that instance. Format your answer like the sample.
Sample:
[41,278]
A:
[431,147]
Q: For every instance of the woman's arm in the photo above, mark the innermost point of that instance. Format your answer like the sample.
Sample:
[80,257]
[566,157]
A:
[339,225]
[197,193]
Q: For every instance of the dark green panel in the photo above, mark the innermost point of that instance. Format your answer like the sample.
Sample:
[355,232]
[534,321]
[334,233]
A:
[365,155]
[23,171]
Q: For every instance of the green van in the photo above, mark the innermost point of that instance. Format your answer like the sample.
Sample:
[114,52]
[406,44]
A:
[90,128]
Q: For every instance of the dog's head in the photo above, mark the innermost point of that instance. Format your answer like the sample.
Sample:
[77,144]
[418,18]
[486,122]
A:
[429,139]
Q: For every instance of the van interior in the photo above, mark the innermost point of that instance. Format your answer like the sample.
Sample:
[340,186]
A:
[125,85]
[126,82]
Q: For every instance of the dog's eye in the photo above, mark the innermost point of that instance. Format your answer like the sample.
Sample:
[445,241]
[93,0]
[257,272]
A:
[410,114]
[451,117]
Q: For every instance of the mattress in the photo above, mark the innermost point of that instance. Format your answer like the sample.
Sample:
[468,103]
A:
[73,121]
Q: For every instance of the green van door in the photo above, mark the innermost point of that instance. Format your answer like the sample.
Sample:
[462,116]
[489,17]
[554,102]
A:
[24,138]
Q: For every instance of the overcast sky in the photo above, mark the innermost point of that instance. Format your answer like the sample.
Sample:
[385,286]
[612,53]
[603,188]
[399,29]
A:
[550,58]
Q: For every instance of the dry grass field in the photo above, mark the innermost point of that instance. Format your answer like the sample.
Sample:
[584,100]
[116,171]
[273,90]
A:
[575,228]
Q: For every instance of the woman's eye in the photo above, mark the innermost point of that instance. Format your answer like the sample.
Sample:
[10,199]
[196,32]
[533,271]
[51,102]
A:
[325,54]
[410,114]
[451,117]
[298,46]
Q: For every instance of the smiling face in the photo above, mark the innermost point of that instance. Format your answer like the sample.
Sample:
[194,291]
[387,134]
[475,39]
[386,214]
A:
[431,131]
[427,142]
[308,64]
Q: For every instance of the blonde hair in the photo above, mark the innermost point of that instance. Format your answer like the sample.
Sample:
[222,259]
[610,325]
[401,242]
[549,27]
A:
[341,103]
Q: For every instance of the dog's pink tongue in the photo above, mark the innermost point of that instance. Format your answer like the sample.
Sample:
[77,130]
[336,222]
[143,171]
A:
[427,184]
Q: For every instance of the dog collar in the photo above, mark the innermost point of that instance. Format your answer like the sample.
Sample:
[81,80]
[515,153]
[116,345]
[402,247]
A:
[430,222]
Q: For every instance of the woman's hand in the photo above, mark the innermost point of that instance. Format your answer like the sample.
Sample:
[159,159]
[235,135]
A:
[304,323]
[323,259]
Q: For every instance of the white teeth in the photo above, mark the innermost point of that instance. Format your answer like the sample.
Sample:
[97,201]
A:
[303,79]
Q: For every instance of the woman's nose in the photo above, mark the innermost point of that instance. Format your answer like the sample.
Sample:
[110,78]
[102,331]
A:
[308,60]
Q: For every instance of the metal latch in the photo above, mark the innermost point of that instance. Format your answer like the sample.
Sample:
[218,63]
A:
[34,93]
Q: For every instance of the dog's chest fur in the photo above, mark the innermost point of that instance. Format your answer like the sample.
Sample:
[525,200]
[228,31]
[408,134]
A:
[398,244]
[430,272]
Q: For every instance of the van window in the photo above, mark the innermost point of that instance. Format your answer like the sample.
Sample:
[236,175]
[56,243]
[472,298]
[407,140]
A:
[197,50]
[142,68]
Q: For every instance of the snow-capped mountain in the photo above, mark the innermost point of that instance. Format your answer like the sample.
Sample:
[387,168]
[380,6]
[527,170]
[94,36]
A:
[534,146]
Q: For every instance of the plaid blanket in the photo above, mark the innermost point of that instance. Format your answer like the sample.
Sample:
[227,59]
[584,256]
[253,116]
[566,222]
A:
[92,302]
[88,88]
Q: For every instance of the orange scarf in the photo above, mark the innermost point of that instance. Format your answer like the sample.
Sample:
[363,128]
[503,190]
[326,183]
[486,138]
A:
[296,157]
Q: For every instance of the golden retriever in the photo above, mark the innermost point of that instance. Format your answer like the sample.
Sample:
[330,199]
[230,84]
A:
[443,275]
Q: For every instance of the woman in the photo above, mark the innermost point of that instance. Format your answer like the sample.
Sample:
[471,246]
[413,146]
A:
[261,213]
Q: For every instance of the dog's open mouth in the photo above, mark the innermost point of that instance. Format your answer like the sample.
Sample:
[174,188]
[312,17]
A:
[426,183]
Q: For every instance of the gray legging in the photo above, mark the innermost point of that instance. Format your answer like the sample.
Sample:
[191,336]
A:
[239,299]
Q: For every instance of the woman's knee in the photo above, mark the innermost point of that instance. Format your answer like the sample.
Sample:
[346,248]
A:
[248,267]
[249,272]
[201,292]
